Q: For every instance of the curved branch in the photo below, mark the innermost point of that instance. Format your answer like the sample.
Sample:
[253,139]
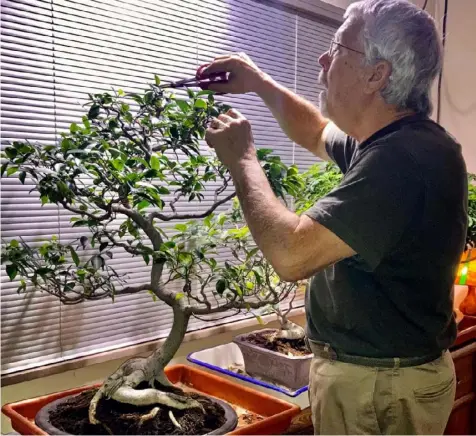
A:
[188,216]
[134,289]
[106,216]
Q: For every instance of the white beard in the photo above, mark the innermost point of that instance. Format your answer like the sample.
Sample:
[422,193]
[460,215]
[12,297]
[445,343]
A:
[323,103]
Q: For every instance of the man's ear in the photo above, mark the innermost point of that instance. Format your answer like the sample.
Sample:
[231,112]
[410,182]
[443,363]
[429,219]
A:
[378,76]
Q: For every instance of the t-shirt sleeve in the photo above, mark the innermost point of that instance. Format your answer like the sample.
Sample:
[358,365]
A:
[374,204]
[340,147]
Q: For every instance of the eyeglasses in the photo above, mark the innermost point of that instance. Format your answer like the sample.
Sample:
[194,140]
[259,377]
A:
[334,45]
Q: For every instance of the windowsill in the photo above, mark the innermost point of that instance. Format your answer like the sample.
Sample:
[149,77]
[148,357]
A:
[220,334]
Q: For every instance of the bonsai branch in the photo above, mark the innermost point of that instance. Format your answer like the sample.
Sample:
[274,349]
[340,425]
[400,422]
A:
[188,216]
[73,209]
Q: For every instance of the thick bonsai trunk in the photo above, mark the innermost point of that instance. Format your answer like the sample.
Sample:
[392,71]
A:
[155,389]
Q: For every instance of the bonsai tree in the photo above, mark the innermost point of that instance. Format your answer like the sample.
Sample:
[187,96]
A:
[122,172]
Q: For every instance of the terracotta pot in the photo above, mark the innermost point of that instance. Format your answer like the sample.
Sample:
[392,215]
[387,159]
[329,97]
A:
[290,371]
[277,413]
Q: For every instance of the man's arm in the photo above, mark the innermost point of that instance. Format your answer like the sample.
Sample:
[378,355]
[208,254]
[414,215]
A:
[296,246]
[300,120]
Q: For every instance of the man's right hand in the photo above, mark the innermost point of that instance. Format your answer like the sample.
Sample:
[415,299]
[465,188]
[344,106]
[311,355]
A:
[244,75]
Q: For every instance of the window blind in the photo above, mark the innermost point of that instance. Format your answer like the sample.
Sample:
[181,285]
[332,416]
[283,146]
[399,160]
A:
[54,52]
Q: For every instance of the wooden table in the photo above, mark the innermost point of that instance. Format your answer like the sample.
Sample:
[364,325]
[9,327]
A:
[463,416]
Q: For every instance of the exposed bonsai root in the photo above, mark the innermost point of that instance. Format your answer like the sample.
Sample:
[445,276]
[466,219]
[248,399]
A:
[151,415]
[148,397]
[174,421]
[289,330]
[120,386]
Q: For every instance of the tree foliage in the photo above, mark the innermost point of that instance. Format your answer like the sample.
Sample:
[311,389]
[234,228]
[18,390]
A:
[123,172]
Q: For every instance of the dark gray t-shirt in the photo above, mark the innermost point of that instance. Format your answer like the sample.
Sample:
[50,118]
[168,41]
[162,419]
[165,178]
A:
[402,207]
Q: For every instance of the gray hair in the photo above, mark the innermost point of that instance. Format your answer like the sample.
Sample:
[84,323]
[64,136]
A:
[405,36]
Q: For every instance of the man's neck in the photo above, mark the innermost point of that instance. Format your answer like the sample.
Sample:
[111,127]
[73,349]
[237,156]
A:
[369,123]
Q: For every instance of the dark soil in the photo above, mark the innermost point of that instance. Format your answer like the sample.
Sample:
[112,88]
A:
[72,417]
[297,347]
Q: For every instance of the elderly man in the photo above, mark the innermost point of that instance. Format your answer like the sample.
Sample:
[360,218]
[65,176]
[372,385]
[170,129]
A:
[383,247]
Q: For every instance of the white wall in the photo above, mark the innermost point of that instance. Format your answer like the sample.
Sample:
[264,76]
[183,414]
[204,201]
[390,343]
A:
[458,102]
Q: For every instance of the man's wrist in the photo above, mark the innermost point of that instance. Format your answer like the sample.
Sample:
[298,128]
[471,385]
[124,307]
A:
[263,84]
[245,161]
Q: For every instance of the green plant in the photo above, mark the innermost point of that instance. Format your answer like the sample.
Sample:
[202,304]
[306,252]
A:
[318,181]
[125,168]
[471,233]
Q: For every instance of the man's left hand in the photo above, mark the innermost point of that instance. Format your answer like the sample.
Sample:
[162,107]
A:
[231,137]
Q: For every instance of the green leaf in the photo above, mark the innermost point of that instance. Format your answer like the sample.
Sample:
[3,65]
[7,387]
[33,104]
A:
[118,164]
[208,221]
[73,128]
[163,190]
[143,204]
[11,152]
[4,167]
[83,240]
[86,122]
[43,271]
[12,271]
[22,177]
[221,219]
[183,105]
[155,162]
[260,320]
[80,223]
[200,104]
[179,295]
[181,227]
[12,170]
[258,277]
[185,258]
[74,256]
[238,290]
[14,243]
[168,244]
[121,93]
[157,79]
[93,112]
[252,253]
[220,286]
[263,152]
[148,97]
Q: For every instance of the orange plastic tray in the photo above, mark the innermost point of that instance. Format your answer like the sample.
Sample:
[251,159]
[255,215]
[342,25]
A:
[278,413]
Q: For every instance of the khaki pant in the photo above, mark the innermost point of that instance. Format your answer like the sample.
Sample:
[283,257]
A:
[352,399]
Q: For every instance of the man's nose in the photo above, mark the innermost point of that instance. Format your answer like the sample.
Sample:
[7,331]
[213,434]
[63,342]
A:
[324,60]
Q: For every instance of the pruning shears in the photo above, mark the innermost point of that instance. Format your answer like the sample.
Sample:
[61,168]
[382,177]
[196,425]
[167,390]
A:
[197,80]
